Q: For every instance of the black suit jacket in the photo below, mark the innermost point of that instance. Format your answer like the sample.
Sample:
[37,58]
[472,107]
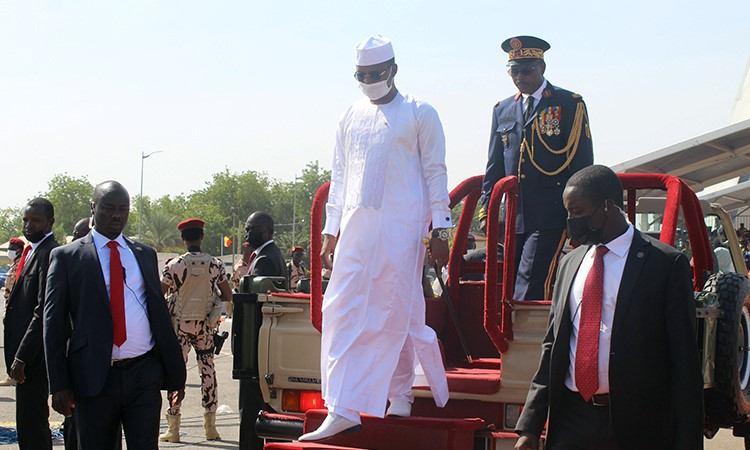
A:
[539,194]
[269,262]
[77,295]
[23,315]
[656,387]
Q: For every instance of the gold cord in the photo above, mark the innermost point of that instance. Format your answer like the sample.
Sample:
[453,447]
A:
[570,149]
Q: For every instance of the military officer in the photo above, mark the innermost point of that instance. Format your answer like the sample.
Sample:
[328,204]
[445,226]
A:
[541,134]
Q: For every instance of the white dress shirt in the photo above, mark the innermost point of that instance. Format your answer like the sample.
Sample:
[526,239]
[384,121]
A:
[614,264]
[257,250]
[537,96]
[139,338]
[34,245]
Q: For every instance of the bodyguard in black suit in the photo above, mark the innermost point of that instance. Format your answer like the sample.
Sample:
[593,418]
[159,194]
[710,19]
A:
[543,144]
[266,260]
[647,390]
[24,353]
[122,349]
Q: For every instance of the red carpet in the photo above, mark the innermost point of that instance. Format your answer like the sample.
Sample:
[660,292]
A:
[405,433]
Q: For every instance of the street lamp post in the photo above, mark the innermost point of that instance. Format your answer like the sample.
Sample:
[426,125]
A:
[140,199]
[294,209]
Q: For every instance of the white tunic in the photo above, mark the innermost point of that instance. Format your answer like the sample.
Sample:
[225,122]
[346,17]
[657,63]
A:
[388,181]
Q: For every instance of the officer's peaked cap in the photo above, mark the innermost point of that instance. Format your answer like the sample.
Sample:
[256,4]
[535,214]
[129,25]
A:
[523,49]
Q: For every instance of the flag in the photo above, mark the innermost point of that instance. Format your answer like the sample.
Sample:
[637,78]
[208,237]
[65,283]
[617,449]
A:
[227,241]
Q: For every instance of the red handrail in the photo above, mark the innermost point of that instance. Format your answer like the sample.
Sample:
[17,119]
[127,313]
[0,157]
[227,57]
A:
[469,191]
[678,194]
[501,333]
[316,266]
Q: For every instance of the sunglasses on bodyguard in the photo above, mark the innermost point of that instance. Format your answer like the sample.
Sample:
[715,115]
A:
[374,76]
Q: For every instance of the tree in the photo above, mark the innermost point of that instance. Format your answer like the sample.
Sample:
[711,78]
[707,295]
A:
[71,198]
[226,203]
[292,204]
[160,230]
[11,224]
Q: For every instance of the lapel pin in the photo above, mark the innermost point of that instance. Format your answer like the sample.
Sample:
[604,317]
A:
[640,255]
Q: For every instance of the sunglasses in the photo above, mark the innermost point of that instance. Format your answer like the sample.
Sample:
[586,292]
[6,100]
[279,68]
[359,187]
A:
[374,76]
[521,70]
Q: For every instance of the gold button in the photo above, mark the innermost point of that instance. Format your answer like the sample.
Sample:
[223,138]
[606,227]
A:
[523,160]
[523,176]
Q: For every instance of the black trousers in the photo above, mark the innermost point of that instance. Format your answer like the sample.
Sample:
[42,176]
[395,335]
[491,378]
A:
[131,397]
[32,409]
[537,254]
[582,426]
[71,438]
[251,402]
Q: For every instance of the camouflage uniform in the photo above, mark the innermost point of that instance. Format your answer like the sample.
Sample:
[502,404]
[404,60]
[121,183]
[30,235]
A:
[295,273]
[10,280]
[239,271]
[197,334]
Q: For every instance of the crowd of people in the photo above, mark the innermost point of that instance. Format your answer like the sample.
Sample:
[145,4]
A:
[102,328]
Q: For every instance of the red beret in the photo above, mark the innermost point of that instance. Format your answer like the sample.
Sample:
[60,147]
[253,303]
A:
[295,248]
[191,223]
[16,241]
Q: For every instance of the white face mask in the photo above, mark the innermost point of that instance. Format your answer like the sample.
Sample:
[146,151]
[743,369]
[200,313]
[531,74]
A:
[12,254]
[376,91]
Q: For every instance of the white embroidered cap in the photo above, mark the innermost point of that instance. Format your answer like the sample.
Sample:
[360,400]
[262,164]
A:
[373,50]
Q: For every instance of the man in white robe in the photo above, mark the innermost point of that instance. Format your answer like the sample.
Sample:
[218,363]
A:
[387,183]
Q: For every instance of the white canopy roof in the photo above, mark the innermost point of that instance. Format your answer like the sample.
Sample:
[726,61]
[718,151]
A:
[702,161]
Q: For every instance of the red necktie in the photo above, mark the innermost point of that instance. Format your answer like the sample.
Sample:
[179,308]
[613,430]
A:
[587,348]
[116,294]
[21,263]
[252,258]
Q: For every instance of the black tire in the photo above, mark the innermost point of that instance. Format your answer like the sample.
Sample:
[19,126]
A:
[728,402]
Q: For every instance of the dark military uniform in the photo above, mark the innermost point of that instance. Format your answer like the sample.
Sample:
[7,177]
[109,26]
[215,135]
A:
[543,152]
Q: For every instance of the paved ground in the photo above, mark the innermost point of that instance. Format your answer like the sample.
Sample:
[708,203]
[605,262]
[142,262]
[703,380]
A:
[228,423]
[192,412]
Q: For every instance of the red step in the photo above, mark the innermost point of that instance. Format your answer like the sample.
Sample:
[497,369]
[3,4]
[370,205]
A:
[403,433]
[303,445]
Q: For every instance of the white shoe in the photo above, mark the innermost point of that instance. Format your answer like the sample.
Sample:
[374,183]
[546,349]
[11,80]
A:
[399,408]
[332,425]
[8,382]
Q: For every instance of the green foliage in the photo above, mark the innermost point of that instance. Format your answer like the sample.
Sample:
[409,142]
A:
[160,230]
[292,203]
[71,198]
[225,204]
[11,224]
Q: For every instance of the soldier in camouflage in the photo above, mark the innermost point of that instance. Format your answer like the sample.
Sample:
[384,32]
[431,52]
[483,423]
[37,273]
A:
[195,283]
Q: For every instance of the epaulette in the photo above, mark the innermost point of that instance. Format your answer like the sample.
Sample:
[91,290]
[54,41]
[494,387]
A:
[576,95]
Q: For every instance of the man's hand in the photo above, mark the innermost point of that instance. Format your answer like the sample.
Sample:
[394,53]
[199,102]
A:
[177,396]
[64,402]
[17,371]
[329,244]
[527,441]
[438,253]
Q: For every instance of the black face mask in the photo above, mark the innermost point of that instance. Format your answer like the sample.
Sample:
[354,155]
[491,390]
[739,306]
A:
[34,237]
[254,238]
[581,231]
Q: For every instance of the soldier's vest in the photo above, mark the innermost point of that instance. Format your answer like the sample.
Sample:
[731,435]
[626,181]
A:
[194,298]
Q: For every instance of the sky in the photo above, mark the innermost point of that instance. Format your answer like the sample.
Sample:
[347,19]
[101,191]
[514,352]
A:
[87,87]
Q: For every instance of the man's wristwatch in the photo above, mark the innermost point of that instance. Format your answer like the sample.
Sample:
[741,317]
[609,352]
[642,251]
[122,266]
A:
[441,233]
